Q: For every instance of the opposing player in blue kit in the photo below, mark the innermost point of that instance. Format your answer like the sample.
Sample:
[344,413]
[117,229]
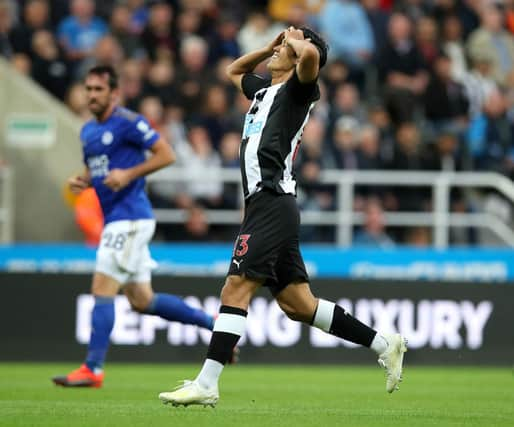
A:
[114,145]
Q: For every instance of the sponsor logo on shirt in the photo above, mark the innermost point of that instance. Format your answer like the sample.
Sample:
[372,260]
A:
[98,166]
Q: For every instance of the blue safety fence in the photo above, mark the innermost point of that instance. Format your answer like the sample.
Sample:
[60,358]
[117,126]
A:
[484,265]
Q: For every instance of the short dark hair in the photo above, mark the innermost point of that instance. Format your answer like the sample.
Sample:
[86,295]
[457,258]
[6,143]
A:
[317,41]
[100,70]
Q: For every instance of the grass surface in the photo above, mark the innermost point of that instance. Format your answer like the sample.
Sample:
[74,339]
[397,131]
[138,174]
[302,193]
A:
[261,396]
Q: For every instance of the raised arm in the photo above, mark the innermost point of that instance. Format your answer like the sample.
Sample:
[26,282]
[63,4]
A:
[308,56]
[247,63]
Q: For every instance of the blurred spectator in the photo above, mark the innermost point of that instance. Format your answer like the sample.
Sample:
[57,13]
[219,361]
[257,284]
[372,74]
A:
[288,10]
[413,9]
[139,15]
[229,152]
[79,32]
[345,142]
[446,155]
[368,152]
[408,156]
[6,48]
[198,157]
[59,9]
[189,22]
[334,74]
[192,73]
[489,135]
[346,102]
[131,83]
[453,46]
[379,118]
[120,25]
[77,101]
[175,124]
[491,37]
[446,102]
[402,70]
[35,17]
[478,83]
[373,232]
[312,194]
[427,39]
[443,155]
[158,37]
[214,113]
[349,35]
[49,68]
[107,51]
[257,31]
[465,11]
[160,82]
[229,149]
[368,158]
[378,19]
[223,43]
[152,109]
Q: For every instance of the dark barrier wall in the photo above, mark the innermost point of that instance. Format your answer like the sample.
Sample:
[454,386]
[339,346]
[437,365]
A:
[45,317]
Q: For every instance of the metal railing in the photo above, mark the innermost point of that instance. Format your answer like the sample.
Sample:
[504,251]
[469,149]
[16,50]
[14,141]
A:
[344,218]
[6,205]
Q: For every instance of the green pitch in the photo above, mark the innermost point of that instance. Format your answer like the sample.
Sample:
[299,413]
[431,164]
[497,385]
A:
[262,396]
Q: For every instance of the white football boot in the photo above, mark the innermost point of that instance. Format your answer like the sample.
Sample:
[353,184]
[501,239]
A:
[191,393]
[392,360]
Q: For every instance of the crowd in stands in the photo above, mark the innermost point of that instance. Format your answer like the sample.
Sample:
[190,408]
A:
[410,85]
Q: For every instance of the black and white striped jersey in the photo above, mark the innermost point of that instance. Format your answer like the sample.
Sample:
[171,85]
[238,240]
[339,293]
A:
[272,132]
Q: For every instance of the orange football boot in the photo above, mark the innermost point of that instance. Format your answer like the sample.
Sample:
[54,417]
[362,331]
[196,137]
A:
[81,377]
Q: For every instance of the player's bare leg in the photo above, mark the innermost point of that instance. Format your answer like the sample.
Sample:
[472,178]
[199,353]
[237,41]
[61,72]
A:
[297,301]
[229,327]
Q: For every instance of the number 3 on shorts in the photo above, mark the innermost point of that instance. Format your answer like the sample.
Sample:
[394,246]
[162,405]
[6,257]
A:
[241,246]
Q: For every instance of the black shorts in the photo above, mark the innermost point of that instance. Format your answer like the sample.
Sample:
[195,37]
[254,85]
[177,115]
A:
[267,247]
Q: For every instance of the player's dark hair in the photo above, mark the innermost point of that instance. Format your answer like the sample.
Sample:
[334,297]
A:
[317,41]
[100,70]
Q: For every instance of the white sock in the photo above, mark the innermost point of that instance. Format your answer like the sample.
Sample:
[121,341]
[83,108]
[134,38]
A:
[379,344]
[324,315]
[210,373]
[227,330]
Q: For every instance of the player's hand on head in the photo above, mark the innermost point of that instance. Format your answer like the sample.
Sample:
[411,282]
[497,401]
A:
[117,179]
[78,184]
[294,33]
[277,41]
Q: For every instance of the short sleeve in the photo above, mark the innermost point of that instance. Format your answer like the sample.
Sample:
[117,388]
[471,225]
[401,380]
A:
[302,92]
[140,132]
[252,83]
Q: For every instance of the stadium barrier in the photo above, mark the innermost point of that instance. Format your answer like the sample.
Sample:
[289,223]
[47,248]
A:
[344,217]
[46,318]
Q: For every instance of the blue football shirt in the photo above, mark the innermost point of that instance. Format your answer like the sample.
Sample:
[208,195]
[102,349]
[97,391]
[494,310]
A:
[119,142]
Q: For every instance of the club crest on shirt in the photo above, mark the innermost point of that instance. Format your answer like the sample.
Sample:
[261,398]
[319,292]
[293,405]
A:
[107,138]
